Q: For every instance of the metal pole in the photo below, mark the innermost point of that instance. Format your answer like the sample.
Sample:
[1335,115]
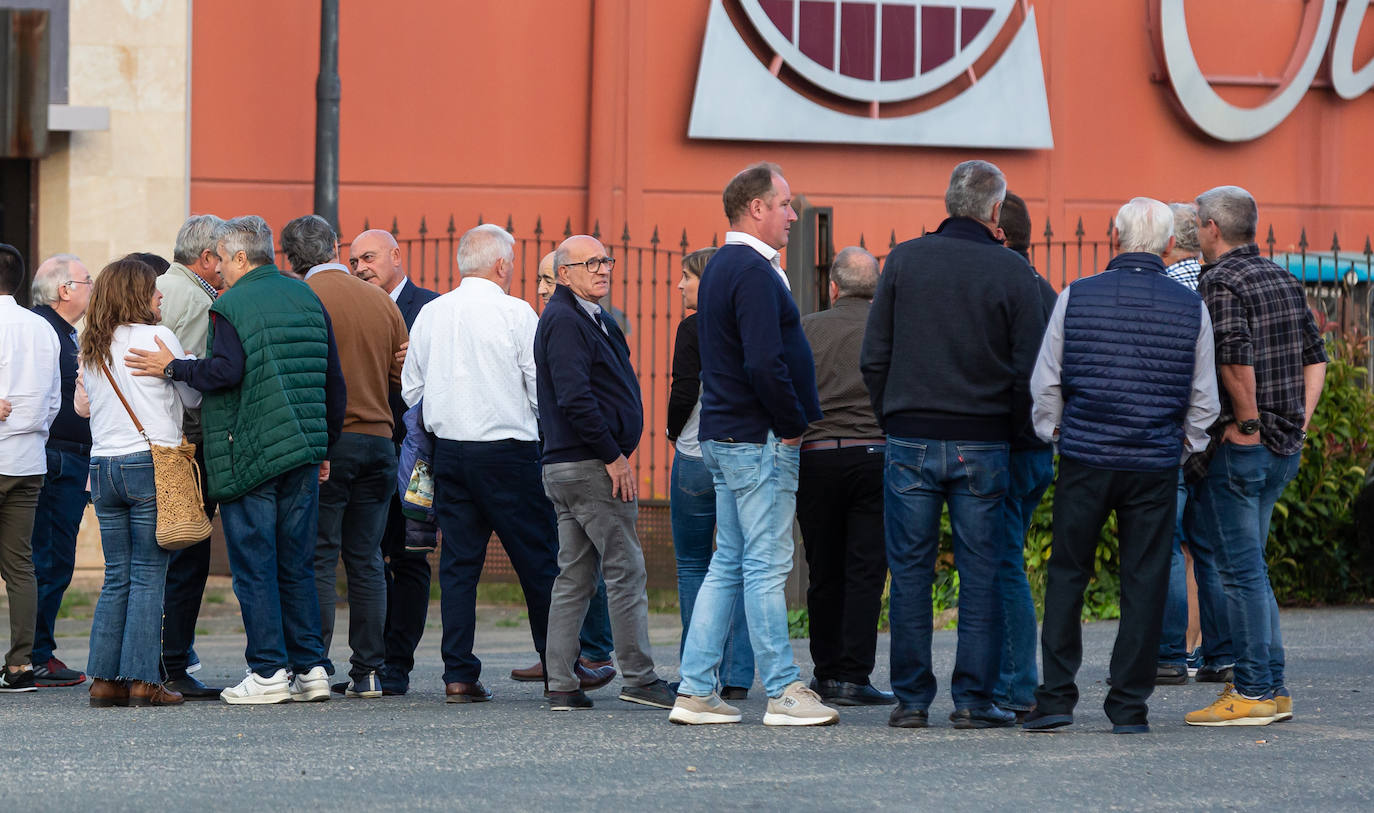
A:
[328,90]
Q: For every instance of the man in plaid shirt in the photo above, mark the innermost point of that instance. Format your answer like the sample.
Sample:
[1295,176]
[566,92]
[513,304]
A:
[1271,363]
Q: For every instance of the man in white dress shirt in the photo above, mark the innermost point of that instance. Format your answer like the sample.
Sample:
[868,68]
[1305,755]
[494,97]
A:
[30,397]
[472,361]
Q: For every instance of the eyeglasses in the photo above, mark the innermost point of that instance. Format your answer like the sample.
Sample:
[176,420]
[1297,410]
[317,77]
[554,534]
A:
[71,282]
[595,264]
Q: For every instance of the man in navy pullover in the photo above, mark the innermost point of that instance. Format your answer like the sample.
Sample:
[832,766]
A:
[758,396]
[591,417]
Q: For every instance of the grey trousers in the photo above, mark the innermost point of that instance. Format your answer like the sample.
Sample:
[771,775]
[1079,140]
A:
[18,502]
[592,526]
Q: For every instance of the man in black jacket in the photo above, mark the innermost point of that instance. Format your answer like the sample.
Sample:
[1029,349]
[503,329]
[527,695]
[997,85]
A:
[947,355]
[591,417]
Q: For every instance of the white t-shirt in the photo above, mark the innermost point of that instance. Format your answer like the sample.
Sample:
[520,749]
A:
[158,402]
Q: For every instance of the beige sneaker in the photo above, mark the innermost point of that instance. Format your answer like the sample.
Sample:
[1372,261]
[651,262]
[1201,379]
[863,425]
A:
[799,705]
[689,710]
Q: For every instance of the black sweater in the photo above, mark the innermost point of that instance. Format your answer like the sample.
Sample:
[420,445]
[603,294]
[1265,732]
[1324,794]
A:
[953,336]
[682,398]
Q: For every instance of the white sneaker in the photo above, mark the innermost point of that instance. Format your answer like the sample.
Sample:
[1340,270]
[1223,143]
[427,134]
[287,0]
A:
[689,710]
[798,705]
[258,691]
[310,687]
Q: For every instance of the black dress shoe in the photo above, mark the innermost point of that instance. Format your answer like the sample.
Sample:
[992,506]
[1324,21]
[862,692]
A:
[1171,674]
[192,689]
[1214,674]
[729,692]
[989,716]
[841,693]
[576,700]
[909,717]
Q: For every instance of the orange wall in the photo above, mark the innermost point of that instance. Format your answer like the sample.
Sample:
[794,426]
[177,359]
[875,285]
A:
[578,109]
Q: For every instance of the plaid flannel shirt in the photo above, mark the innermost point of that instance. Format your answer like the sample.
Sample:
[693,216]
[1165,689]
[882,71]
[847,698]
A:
[1260,319]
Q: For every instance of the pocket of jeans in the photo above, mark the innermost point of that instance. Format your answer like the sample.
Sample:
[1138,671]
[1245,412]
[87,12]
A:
[692,477]
[985,466]
[140,484]
[566,473]
[54,460]
[902,468]
[738,462]
[95,483]
[789,465]
[1245,467]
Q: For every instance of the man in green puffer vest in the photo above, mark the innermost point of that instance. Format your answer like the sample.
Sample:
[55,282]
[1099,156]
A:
[274,403]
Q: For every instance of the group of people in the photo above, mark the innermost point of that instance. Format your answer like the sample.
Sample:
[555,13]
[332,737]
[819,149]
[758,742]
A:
[1175,394]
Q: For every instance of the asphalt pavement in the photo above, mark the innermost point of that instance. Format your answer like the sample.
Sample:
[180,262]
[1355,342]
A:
[417,753]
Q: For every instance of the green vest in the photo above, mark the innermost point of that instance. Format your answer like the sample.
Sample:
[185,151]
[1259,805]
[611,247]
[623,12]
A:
[274,420]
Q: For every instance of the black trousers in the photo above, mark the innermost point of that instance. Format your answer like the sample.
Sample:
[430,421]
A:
[840,508]
[407,599]
[187,571]
[1145,505]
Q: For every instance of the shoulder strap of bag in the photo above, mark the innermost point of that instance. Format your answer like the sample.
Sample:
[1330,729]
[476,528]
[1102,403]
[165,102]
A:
[105,368]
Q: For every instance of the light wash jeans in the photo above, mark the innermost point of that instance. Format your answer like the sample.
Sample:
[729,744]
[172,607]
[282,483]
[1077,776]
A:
[756,500]
[126,630]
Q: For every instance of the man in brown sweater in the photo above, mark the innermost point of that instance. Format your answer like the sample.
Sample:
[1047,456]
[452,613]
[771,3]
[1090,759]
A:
[360,474]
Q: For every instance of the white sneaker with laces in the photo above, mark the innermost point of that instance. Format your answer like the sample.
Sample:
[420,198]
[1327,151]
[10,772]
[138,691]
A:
[258,691]
[798,705]
[313,686]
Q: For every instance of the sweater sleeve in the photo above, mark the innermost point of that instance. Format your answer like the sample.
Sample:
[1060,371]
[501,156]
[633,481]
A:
[335,390]
[223,369]
[1027,331]
[876,356]
[758,314]
[570,372]
[686,389]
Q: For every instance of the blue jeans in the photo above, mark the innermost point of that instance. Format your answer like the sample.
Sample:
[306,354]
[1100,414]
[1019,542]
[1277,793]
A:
[595,638]
[55,524]
[921,477]
[1031,472]
[270,538]
[693,513]
[756,499]
[1211,600]
[126,630]
[1235,502]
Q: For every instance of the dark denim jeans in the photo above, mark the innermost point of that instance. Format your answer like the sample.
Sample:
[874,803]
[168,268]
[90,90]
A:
[921,477]
[353,514]
[270,538]
[1211,600]
[1235,502]
[60,506]
[126,629]
[1031,472]
[693,514]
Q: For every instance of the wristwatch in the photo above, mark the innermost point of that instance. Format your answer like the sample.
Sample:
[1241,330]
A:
[1249,427]
[167,371]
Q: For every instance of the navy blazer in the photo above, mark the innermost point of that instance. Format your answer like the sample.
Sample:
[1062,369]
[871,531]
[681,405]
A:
[589,399]
[411,299]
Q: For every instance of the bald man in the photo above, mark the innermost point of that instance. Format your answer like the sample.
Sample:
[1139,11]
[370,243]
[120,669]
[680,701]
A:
[375,257]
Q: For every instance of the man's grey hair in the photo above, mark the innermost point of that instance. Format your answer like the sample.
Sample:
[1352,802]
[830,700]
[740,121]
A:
[855,272]
[249,234]
[1144,224]
[195,237]
[1185,228]
[1233,210]
[49,278]
[482,246]
[974,188]
[309,241]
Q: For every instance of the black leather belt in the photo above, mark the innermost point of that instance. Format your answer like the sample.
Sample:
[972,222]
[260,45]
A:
[841,443]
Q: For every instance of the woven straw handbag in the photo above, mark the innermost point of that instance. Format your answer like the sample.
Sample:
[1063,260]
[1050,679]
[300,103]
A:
[181,520]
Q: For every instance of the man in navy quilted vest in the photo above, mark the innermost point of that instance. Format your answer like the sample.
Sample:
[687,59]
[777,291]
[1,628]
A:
[1125,383]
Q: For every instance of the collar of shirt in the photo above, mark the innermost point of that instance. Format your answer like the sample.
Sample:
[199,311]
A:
[966,228]
[769,253]
[593,310]
[326,267]
[479,285]
[1137,259]
[205,286]
[400,286]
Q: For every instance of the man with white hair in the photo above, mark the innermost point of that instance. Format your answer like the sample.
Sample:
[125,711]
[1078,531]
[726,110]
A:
[190,286]
[274,404]
[947,356]
[60,292]
[471,360]
[1126,385]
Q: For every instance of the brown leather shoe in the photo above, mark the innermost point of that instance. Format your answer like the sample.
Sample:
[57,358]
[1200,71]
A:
[107,693]
[466,693]
[142,693]
[593,678]
[532,674]
[591,664]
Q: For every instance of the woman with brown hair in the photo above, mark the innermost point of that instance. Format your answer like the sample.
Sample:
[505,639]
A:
[126,632]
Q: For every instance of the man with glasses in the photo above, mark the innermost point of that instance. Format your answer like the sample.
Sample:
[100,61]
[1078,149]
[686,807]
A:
[592,417]
[60,293]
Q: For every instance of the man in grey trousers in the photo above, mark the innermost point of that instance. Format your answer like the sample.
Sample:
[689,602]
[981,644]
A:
[591,417]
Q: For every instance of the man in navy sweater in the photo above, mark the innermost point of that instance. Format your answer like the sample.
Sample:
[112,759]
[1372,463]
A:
[758,396]
[591,417]
[947,356]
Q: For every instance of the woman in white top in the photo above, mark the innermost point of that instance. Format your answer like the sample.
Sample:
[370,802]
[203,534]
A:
[126,632]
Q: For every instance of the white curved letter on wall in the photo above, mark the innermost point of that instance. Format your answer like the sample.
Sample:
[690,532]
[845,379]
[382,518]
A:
[1347,82]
